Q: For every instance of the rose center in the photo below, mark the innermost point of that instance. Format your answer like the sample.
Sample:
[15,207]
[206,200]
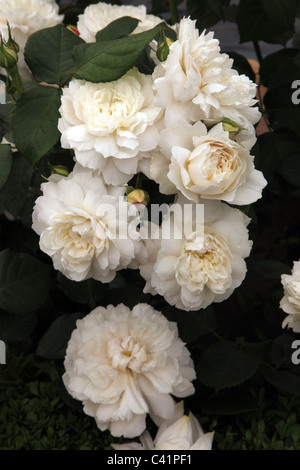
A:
[204,261]
[127,354]
[115,105]
[79,236]
[212,164]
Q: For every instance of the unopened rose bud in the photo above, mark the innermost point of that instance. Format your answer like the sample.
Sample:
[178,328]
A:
[73,29]
[59,170]
[8,55]
[232,127]
[11,42]
[138,196]
[163,47]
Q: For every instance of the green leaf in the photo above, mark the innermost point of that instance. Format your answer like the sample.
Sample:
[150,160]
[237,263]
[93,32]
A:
[271,269]
[14,193]
[17,327]
[281,111]
[289,168]
[279,69]
[5,117]
[226,364]
[192,325]
[117,29]
[127,288]
[110,60]
[287,380]
[282,12]
[48,53]
[24,282]
[266,20]
[281,350]
[53,343]
[35,121]
[229,402]
[84,292]
[25,214]
[5,163]
[207,12]
[273,149]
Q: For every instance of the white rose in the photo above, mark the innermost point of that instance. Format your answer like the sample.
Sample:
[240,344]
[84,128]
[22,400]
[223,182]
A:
[79,221]
[206,264]
[180,432]
[110,125]
[290,303]
[97,17]
[197,82]
[205,164]
[25,18]
[124,364]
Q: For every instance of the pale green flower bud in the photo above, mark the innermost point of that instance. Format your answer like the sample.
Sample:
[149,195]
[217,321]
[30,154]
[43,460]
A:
[11,42]
[138,196]
[163,47]
[232,127]
[8,55]
[59,170]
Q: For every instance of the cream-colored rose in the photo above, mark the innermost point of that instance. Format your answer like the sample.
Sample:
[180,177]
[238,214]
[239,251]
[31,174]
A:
[180,432]
[110,125]
[97,17]
[197,82]
[25,18]
[123,364]
[206,264]
[290,303]
[205,164]
[85,227]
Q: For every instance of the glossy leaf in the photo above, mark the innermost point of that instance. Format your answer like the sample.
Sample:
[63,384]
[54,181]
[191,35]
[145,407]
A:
[24,282]
[35,121]
[48,54]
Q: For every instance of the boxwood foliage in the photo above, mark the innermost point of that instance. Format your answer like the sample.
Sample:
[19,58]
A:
[238,345]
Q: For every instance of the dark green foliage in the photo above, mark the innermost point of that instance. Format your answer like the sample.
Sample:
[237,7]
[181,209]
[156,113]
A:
[108,60]
[24,282]
[35,121]
[266,20]
[5,164]
[39,415]
[48,54]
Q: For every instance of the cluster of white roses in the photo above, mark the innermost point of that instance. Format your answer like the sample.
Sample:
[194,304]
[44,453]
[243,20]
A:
[189,127]
[171,126]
